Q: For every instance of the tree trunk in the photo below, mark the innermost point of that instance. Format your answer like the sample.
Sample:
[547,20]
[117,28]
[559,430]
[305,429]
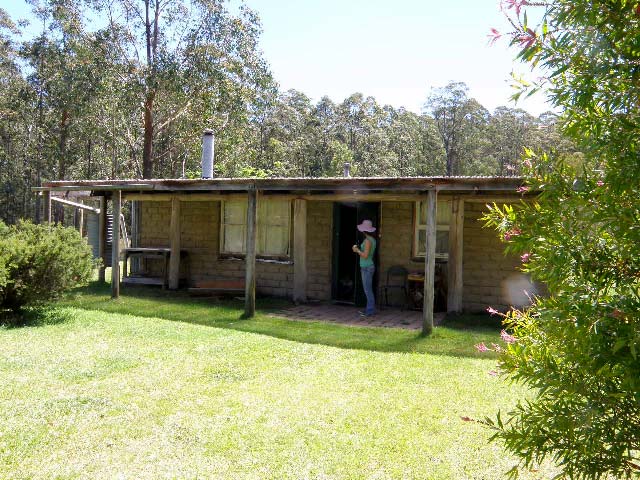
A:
[147,152]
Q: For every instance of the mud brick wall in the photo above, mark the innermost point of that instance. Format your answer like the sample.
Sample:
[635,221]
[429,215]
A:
[396,238]
[319,240]
[200,237]
[490,277]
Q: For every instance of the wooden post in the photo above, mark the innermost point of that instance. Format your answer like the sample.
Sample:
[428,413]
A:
[250,259]
[429,264]
[102,237]
[115,245]
[47,206]
[300,251]
[456,228]
[174,238]
[135,234]
[81,222]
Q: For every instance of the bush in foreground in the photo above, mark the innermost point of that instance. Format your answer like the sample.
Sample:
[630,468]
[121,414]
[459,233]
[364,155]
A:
[578,349]
[40,262]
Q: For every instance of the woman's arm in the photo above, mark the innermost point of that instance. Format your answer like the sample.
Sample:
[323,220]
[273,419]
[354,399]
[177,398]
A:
[367,249]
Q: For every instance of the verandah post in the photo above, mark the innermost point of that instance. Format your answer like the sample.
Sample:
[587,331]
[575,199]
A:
[102,237]
[116,198]
[174,235]
[47,206]
[250,259]
[456,228]
[300,251]
[429,264]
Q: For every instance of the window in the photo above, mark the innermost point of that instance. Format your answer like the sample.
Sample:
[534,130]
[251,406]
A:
[443,218]
[272,237]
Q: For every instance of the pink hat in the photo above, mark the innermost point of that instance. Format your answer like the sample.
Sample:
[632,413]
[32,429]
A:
[366,226]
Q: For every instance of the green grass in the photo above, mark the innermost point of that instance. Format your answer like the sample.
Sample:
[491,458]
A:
[158,385]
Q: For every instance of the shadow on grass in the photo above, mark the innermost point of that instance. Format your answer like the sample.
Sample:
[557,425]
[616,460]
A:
[456,338]
[34,316]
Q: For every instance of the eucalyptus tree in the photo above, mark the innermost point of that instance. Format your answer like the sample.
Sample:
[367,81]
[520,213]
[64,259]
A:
[510,131]
[457,119]
[193,64]
[15,128]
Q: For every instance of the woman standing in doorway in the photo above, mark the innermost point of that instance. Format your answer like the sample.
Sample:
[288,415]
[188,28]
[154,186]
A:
[367,268]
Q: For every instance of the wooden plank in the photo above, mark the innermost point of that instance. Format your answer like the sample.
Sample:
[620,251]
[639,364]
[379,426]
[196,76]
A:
[456,229]
[174,238]
[220,284]
[429,264]
[250,259]
[82,206]
[300,251]
[81,222]
[318,197]
[143,281]
[183,197]
[114,186]
[102,238]
[507,198]
[115,246]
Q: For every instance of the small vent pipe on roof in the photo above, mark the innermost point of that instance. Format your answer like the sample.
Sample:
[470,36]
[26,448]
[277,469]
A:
[347,170]
[207,153]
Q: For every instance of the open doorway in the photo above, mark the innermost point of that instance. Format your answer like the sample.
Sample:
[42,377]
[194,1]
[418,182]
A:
[346,281]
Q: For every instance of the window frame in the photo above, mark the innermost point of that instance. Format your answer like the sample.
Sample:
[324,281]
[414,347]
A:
[418,227]
[260,225]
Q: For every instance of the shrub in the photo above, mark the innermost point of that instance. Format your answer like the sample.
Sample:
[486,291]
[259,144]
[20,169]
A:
[39,262]
[578,348]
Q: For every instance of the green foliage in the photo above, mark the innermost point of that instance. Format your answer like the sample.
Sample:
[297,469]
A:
[39,262]
[579,348]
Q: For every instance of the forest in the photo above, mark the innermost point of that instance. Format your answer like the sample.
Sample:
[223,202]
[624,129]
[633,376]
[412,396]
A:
[107,89]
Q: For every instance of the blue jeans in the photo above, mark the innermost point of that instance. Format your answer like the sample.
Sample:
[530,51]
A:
[367,285]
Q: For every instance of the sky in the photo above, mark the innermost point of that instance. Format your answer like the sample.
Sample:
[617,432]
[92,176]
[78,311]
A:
[393,50]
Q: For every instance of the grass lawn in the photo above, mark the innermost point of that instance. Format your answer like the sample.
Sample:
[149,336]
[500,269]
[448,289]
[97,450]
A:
[163,386]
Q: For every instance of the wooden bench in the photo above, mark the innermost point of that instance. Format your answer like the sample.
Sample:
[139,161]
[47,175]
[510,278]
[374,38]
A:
[218,287]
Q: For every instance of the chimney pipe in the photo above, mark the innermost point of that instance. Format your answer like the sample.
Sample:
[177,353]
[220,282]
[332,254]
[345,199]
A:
[207,153]
[347,170]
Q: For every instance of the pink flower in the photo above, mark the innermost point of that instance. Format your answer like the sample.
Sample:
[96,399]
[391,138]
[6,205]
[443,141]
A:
[496,347]
[525,257]
[481,347]
[599,183]
[512,233]
[493,373]
[506,337]
[527,38]
[492,310]
[523,189]
[516,4]
[527,163]
[494,36]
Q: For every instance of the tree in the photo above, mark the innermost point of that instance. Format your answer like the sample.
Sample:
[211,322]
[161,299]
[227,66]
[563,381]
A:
[578,348]
[192,65]
[458,120]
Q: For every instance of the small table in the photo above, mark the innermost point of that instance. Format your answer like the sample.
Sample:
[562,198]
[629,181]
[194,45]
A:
[149,252]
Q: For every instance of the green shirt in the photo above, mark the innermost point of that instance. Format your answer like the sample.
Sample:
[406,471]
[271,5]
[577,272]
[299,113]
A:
[368,262]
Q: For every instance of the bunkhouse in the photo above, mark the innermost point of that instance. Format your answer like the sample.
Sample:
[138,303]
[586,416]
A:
[292,237]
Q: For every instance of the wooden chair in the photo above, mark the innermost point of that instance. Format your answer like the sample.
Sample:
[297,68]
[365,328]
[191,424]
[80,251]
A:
[396,281]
